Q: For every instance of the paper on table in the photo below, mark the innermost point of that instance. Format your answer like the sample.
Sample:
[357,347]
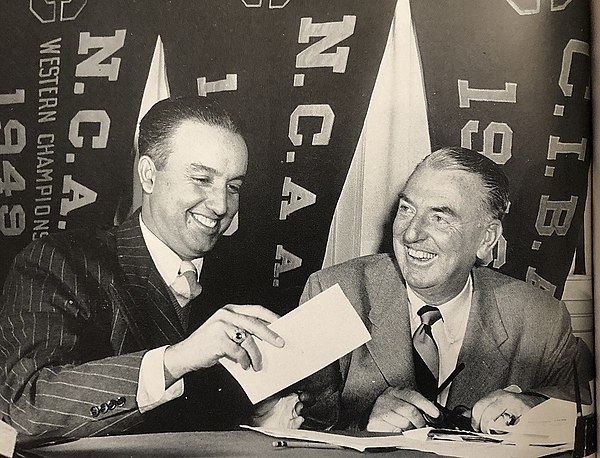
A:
[343,440]
[316,333]
[550,423]
[446,448]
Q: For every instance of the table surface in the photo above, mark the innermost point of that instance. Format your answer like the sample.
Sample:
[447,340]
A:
[198,444]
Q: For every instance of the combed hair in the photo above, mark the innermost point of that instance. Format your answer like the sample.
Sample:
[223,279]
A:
[494,179]
[159,123]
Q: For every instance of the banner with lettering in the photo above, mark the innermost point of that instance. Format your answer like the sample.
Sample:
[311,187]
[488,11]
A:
[511,79]
[72,78]
[300,74]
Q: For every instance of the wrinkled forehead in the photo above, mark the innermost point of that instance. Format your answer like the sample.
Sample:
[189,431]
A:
[445,186]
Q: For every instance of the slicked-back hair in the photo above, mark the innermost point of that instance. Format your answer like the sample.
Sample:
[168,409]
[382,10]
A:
[494,180]
[159,124]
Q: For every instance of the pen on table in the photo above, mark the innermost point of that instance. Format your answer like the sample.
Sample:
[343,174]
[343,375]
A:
[301,444]
[453,435]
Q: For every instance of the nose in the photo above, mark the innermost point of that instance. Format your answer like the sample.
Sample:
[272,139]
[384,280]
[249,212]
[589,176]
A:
[216,200]
[414,230]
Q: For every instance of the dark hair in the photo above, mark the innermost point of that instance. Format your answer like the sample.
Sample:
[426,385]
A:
[493,178]
[159,123]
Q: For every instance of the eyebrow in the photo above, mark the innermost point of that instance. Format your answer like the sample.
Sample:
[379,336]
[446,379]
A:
[443,209]
[446,210]
[203,168]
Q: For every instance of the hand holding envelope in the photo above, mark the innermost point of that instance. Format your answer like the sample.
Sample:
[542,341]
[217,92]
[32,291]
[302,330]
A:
[316,333]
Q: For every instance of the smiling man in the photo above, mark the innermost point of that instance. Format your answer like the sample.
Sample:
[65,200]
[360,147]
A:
[432,307]
[112,332]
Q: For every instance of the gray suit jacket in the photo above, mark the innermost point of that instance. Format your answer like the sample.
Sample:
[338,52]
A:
[516,334]
[79,311]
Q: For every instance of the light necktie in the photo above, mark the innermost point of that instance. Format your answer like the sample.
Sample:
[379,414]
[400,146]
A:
[186,287]
[426,352]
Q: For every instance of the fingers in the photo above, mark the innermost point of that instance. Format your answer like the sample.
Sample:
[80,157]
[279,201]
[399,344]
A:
[252,351]
[296,423]
[283,412]
[256,311]
[306,397]
[395,421]
[404,416]
[416,399]
[490,415]
[487,410]
[498,410]
[380,426]
[227,333]
[238,354]
[251,321]
[298,408]
[400,409]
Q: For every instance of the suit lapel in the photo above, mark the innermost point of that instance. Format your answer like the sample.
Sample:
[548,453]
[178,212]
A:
[390,345]
[480,352]
[151,302]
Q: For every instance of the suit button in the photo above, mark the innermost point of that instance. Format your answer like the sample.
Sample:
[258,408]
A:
[94,411]
[112,404]
[103,407]
[120,401]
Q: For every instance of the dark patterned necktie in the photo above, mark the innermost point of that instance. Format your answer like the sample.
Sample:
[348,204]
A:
[186,288]
[426,354]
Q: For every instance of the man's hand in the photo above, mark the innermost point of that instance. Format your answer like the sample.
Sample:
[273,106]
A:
[501,408]
[213,341]
[279,412]
[397,410]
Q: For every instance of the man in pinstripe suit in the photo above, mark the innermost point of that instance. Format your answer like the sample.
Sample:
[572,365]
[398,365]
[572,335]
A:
[94,340]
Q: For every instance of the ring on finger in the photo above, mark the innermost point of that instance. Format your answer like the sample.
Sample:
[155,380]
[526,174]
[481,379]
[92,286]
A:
[509,418]
[239,336]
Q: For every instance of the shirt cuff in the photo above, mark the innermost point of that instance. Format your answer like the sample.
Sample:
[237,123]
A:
[151,391]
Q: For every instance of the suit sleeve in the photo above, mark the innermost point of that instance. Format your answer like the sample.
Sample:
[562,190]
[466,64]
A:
[59,372]
[561,352]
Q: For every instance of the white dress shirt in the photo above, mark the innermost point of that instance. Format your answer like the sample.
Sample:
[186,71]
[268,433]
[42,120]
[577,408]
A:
[449,332]
[151,390]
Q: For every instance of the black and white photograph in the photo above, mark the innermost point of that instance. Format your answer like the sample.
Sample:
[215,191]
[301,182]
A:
[250,228]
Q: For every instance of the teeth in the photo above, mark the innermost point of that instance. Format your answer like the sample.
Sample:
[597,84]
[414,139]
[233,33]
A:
[204,220]
[421,255]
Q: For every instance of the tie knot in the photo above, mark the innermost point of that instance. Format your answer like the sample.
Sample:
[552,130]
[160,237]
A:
[186,284]
[429,315]
[187,266]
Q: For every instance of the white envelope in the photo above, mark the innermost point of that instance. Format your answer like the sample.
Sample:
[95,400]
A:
[316,333]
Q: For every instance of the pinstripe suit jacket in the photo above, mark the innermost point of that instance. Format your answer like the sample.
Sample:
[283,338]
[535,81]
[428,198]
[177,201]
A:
[516,334]
[78,312]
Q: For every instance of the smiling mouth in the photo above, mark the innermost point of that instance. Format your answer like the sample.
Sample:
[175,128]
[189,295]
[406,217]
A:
[205,221]
[419,255]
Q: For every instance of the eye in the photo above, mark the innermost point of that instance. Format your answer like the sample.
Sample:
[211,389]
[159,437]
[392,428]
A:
[439,219]
[201,180]
[234,188]
[404,209]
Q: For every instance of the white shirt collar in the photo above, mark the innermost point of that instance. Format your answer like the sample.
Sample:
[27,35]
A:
[167,262]
[455,312]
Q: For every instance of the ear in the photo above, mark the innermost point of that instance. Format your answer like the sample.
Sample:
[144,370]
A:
[147,173]
[492,234]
